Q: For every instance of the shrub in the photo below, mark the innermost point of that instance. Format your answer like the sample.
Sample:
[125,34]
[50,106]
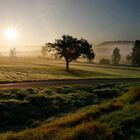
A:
[104,61]
[65,90]
[31,91]
[107,93]
[47,91]
[38,100]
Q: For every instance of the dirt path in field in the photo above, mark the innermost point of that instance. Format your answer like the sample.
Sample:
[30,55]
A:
[66,82]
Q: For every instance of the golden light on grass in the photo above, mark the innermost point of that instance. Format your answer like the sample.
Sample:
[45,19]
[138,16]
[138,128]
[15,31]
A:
[10,34]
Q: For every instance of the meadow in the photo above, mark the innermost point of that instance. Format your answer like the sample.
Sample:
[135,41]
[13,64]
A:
[34,69]
[71,112]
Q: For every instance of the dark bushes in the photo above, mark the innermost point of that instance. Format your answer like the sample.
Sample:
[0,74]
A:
[104,61]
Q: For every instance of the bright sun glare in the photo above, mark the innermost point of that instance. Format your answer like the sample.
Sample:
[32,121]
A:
[10,34]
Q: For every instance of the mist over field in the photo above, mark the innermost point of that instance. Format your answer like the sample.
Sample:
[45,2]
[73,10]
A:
[69,69]
[105,49]
[102,50]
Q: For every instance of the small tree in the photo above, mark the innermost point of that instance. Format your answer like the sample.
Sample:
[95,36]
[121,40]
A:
[71,48]
[116,57]
[13,53]
[128,57]
[104,61]
[135,55]
[44,50]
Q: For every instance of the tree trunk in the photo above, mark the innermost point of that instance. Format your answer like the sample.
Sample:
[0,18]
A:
[67,65]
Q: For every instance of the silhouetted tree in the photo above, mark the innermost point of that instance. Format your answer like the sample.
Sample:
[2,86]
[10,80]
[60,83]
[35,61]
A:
[116,57]
[13,53]
[128,57]
[44,51]
[71,48]
[135,55]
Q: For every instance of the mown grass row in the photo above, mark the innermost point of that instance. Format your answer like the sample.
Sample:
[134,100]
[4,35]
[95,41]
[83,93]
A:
[29,69]
[15,73]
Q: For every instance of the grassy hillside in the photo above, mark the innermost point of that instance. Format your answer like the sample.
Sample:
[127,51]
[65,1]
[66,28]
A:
[37,114]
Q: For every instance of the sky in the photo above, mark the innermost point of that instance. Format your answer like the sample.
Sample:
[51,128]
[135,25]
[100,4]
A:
[41,21]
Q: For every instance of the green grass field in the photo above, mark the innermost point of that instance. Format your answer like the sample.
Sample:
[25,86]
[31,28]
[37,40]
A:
[71,113]
[33,69]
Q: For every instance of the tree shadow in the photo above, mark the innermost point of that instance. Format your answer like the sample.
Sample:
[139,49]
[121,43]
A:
[85,73]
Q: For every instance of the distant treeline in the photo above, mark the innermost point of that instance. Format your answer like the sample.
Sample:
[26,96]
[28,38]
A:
[107,43]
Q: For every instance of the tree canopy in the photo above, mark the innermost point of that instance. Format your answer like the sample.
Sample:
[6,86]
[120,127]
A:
[72,48]
[135,55]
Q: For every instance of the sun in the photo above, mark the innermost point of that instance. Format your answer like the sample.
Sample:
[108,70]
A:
[10,34]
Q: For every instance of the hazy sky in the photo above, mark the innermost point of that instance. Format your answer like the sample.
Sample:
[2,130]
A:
[39,21]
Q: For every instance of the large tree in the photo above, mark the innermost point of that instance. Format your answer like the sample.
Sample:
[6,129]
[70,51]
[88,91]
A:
[72,48]
[135,55]
[116,57]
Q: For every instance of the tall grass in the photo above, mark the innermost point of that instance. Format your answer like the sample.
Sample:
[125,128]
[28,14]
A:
[24,108]
[116,119]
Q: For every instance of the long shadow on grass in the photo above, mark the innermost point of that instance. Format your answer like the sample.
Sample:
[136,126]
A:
[85,73]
